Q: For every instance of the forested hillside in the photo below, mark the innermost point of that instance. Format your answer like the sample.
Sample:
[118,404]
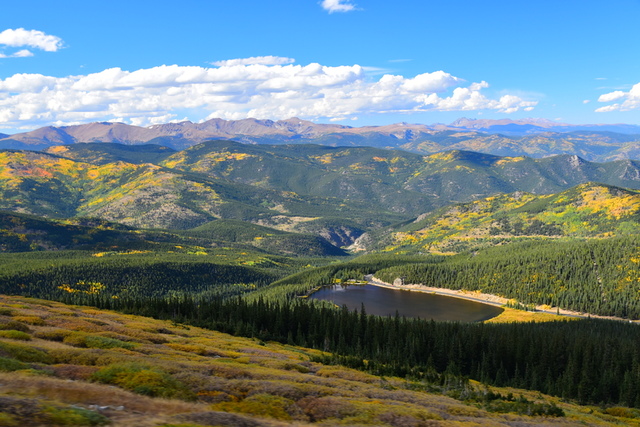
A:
[290,187]
[586,211]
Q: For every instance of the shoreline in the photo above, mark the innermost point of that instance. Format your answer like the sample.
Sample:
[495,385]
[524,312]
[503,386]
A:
[489,299]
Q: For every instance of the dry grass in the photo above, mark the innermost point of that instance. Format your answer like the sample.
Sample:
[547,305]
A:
[512,315]
[271,384]
[84,393]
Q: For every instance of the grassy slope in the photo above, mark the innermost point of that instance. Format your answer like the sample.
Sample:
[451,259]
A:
[209,378]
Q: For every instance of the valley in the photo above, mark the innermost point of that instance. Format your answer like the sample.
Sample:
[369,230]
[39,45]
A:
[236,238]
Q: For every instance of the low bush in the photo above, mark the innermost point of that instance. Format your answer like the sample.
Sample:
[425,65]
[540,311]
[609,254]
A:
[74,372]
[8,420]
[53,335]
[263,405]
[321,408]
[188,348]
[75,357]
[14,325]
[79,339]
[619,411]
[31,320]
[15,335]
[143,379]
[74,417]
[24,353]
[10,365]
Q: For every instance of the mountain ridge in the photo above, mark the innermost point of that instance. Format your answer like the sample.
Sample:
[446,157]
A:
[533,137]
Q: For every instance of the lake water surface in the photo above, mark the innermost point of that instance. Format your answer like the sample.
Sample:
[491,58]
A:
[384,301]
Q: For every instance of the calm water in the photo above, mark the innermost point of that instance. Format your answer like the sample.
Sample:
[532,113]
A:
[384,301]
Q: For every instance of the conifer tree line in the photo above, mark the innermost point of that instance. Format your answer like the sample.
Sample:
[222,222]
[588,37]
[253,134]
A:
[122,276]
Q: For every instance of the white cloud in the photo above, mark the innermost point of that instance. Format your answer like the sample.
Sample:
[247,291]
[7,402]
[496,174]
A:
[255,60]
[24,53]
[612,96]
[161,94]
[630,100]
[32,38]
[337,5]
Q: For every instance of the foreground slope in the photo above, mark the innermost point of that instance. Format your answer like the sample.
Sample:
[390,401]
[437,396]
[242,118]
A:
[60,364]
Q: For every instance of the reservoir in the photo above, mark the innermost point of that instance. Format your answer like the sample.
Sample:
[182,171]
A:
[384,302]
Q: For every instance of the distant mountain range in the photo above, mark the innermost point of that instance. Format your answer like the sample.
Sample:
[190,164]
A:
[531,137]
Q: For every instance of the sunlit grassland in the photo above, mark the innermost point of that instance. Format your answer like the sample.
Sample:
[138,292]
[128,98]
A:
[170,373]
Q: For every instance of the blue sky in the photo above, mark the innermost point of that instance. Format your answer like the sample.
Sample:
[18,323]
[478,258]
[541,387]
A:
[359,62]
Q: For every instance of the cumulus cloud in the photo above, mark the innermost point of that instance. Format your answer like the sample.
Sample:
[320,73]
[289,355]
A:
[255,60]
[337,6]
[612,96]
[235,91]
[627,101]
[31,38]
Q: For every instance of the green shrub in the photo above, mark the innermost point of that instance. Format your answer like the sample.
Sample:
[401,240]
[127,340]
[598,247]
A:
[75,357]
[142,379]
[79,339]
[32,320]
[14,325]
[53,335]
[74,417]
[8,420]
[262,405]
[10,365]
[24,353]
[619,411]
[93,341]
[15,335]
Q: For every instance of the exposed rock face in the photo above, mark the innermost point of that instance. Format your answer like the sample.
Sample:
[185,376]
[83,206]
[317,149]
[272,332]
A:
[362,243]
[340,236]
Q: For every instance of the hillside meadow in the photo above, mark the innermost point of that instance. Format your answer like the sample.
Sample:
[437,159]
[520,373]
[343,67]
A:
[74,365]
